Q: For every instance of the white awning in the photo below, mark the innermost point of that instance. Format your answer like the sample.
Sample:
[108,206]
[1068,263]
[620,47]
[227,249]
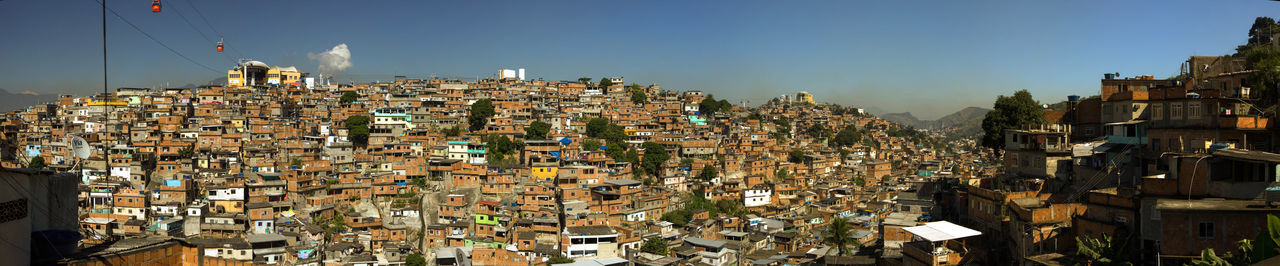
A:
[940,231]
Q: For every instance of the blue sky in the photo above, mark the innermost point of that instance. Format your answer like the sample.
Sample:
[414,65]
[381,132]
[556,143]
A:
[927,57]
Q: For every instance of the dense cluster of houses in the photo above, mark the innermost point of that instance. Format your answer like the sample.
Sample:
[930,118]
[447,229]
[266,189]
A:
[277,174]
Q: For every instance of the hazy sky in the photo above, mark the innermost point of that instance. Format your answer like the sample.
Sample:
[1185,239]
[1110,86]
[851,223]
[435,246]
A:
[927,57]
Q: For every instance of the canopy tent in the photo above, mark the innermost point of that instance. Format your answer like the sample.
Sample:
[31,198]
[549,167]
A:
[941,231]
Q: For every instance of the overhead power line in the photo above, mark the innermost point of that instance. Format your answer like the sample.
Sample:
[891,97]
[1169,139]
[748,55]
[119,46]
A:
[144,33]
[210,25]
[201,32]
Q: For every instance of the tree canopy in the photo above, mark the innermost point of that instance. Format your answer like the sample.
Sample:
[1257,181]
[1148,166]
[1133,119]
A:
[710,106]
[415,259]
[1010,112]
[481,110]
[637,94]
[358,129]
[654,155]
[349,97]
[605,82]
[559,259]
[36,162]
[846,137]
[537,130]
[590,145]
[453,131]
[796,156]
[655,245]
[708,173]
[839,235]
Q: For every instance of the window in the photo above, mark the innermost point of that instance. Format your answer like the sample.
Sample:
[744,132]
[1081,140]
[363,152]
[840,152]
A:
[1157,111]
[1175,111]
[1206,230]
[1193,110]
[1088,131]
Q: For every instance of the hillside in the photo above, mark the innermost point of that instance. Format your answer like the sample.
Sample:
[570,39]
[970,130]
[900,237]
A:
[964,123]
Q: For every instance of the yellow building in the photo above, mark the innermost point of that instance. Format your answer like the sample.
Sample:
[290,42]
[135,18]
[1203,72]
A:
[804,96]
[544,173]
[248,74]
[235,78]
[283,75]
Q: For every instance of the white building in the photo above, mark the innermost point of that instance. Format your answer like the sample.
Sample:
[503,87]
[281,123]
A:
[758,195]
[589,242]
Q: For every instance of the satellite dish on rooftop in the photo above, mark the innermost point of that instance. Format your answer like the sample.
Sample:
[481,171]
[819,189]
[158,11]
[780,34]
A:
[80,147]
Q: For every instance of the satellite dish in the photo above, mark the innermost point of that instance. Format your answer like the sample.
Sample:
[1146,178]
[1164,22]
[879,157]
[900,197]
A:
[79,147]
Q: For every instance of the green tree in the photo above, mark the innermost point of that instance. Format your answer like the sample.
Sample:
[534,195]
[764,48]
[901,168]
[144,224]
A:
[617,151]
[537,130]
[584,80]
[709,106]
[1264,60]
[784,126]
[839,235]
[1010,112]
[686,162]
[349,97]
[638,96]
[781,175]
[499,144]
[590,145]
[481,110]
[559,259]
[605,83]
[632,156]
[453,131]
[1267,243]
[654,155]
[796,156]
[677,217]
[861,182]
[816,131]
[1101,251]
[296,162]
[655,245]
[415,259]
[597,126]
[358,129]
[846,137]
[1261,31]
[708,173]
[36,163]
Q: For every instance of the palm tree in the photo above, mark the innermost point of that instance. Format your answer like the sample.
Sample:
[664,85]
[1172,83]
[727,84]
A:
[1100,251]
[838,235]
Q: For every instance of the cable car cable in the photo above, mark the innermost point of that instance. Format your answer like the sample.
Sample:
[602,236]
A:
[197,29]
[148,35]
[210,25]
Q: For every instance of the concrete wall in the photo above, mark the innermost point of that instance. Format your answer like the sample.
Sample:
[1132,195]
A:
[50,204]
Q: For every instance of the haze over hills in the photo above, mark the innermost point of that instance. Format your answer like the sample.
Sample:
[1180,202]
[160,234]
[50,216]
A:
[964,123]
[19,101]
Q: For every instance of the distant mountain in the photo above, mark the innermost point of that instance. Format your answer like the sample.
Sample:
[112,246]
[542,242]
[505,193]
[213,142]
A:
[964,123]
[906,119]
[20,101]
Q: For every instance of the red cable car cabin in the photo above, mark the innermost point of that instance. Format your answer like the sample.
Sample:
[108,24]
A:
[219,46]
[155,6]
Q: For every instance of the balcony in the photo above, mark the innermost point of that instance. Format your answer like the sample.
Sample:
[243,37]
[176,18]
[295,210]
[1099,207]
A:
[1244,122]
